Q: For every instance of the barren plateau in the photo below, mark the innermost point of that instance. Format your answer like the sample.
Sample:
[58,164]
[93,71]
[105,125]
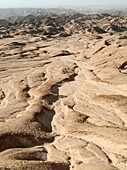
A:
[63,92]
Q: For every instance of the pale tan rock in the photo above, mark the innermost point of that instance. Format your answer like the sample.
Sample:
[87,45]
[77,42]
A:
[63,100]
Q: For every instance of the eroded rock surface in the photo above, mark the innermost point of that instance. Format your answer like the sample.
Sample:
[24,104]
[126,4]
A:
[63,99]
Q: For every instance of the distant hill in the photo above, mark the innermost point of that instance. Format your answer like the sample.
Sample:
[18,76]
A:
[9,12]
[5,13]
[116,11]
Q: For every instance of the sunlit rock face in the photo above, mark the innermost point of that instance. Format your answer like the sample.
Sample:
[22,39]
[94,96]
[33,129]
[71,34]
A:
[63,92]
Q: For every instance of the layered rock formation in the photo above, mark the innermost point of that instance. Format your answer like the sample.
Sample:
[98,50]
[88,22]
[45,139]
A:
[63,98]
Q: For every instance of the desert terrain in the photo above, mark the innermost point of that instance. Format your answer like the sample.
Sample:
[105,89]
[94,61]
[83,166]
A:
[63,92]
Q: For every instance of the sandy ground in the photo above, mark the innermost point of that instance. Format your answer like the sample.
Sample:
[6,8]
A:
[63,103]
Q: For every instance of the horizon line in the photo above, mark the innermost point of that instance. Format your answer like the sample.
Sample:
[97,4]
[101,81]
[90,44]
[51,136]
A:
[69,6]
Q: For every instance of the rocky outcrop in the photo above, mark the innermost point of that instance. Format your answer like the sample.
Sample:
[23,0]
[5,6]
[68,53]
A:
[62,25]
